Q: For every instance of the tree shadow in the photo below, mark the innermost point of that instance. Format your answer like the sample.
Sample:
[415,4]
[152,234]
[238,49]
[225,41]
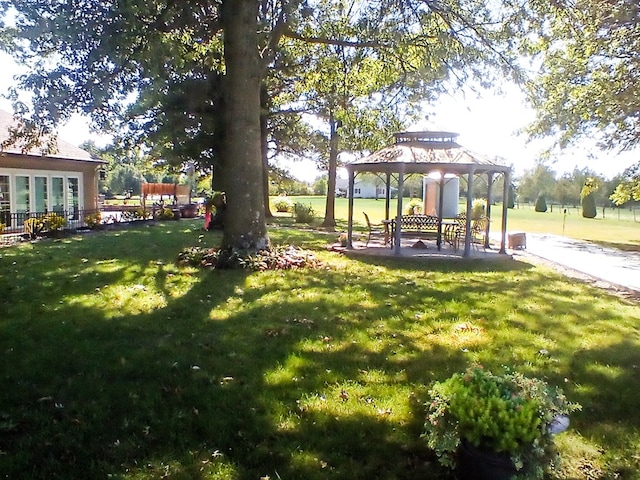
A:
[267,379]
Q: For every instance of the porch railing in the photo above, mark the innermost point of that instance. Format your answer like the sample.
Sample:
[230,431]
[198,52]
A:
[19,223]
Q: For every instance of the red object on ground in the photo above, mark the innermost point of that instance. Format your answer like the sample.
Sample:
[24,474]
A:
[207,217]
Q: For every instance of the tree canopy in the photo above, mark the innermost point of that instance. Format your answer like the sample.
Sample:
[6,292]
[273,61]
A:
[588,80]
[587,76]
[194,81]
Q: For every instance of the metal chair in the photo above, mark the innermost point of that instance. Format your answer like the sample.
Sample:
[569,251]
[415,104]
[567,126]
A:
[376,229]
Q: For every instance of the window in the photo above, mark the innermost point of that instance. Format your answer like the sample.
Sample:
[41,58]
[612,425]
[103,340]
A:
[57,195]
[5,201]
[40,194]
[73,198]
[25,193]
[22,194]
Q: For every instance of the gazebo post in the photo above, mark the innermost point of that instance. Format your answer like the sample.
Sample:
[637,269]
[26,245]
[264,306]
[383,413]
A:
[398,232]
[488,207]
[505,206]
[350,215]
[440,210]
[387,200]
[467,233]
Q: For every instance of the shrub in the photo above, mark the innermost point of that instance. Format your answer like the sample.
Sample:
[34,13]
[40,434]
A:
[137,214]
[541,204]
[343,239]
[199,257]
[274,258]
[589,206]
[478,208]
[165,213]
[414,207]
[507,413]
[2,227]
[303,213]
[33,227]
[511,197]
[54,222]
[282,204]
[279,257]
[93,220]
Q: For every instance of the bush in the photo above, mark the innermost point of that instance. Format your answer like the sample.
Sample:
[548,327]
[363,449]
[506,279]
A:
[2,227]
[137,214]
[511,197]
[507,413]
[414,207]
[478,208]
[282,204]
[93,220]
[279,257]
[303,213]
[541,204]
[589,206]
[33,227]
[165,213]
[54,222]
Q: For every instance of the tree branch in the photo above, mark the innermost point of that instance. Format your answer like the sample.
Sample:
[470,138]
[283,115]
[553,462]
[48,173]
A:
[332,41]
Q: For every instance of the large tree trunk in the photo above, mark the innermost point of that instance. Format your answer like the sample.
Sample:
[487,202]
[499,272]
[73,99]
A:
[245,225]
[330,214]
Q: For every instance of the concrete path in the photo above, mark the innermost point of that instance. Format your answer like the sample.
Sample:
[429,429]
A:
[609,264]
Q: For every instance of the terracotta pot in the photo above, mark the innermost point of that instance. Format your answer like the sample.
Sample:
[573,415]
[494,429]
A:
[483,464]
[188,211]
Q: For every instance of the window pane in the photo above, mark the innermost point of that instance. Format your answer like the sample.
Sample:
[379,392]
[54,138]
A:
[41,194]
[72,198]
[57,195]
[22,194]
[5,201]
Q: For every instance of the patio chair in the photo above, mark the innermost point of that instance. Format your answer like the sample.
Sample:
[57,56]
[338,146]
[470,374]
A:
[479,232]
[455,233]
[376,230]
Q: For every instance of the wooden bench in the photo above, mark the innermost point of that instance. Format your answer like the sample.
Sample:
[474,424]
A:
[416,226]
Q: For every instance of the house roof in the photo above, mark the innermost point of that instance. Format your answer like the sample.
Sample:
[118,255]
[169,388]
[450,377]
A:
[416,152]
[65,150]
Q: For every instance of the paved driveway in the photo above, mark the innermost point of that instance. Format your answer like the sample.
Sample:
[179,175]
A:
[609,264]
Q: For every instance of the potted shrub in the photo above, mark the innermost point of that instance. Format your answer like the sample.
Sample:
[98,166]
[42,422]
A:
[343,239]
[282,204]
[478,208]
[414,207]
[490,426]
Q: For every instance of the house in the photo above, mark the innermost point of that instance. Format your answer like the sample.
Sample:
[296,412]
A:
[33,183]
[362,188]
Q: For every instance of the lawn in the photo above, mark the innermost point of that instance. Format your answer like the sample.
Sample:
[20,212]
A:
[119,363]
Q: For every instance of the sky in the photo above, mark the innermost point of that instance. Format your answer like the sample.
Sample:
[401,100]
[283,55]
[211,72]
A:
[486,125]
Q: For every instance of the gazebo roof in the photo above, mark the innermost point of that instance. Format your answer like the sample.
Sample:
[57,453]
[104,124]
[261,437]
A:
[423,152]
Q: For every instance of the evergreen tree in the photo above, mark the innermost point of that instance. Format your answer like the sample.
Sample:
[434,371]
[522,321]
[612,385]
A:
[588,198]
[541,203]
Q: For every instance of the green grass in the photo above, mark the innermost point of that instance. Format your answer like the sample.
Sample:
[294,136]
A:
[118,363]
[619,228]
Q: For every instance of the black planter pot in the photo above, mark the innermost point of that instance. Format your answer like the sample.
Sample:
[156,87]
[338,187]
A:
[481,464]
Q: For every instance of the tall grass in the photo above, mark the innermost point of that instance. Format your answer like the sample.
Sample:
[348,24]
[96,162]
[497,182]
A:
[119,363]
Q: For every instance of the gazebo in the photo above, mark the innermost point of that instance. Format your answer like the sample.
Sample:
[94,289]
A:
[436,154]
